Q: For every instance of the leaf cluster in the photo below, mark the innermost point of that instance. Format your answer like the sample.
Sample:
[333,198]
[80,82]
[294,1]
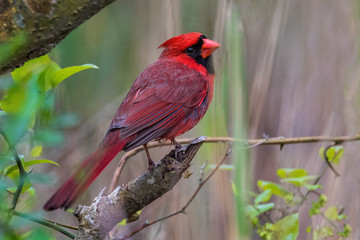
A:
[283,200]
[28,124]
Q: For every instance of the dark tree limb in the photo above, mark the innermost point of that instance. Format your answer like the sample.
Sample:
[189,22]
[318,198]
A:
[42,23]
[96,220]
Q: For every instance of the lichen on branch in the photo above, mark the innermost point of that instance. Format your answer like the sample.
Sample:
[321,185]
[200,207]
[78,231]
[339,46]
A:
[43,23]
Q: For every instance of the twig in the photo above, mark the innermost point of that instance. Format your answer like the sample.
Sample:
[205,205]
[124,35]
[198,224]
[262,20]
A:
[329,221]
[22,172]
[250,142]
[264,214]
[202,171]
[311,191]
[62,225]
[45,223]
[321,175]
[182,210]
[328,162]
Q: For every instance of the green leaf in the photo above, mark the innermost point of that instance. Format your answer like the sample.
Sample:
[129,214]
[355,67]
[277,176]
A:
[265,207]
[291,172]
[38,65]
[299,181]
[64,73]
[322,200]
[36,151]
[21,102]
[275,189]
[312,186]
[308,229]
[47,76]
[330,153]
[333,154]
[331,213]
[341,216]
[346,232]
[14,176]
[263,197]
[25,235]
[256,210]
[339,152]
[316,205]
[31,191]
[321,153]
[287,228]
[14,99]
[265,232]
[322,233]
[28,164]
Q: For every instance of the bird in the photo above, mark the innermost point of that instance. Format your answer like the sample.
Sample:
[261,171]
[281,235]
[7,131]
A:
[167,99]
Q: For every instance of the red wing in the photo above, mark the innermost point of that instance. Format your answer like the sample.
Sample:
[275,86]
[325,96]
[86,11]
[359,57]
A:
[162,96]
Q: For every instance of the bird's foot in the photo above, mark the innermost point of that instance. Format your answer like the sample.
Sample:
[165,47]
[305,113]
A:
[178,148]
[177,145]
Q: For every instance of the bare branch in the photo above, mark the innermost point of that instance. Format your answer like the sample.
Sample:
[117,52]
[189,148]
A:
[250,142]
[183,209]
[105,212]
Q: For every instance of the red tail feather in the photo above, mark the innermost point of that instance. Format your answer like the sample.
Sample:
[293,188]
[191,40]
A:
[71,190]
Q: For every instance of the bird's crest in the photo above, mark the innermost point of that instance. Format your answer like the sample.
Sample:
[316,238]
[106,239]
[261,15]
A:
[182,41]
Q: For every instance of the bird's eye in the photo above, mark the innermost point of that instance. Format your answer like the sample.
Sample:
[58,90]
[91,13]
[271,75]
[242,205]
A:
[190,50]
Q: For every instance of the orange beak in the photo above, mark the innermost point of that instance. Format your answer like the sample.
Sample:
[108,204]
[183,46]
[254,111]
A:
[208,47]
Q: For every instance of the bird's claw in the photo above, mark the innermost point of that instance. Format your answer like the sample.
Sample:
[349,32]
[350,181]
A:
[180,149]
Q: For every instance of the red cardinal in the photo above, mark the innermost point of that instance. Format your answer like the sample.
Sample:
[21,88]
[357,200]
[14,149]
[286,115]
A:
[167,99]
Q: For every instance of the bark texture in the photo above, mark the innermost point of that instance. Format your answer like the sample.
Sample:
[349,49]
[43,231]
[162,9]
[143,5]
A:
[96,220]
[41,24]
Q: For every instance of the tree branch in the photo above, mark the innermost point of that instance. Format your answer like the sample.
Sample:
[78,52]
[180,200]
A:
[183,209]
[105,212]
[42,24]
[250,142]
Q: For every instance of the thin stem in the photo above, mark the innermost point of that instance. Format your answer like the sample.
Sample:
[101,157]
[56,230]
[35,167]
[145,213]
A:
[328,162]
[62,225]
[182,210]
[23,173]
[250,143]
[329,221]
[45,223]
[264,214]
[314,183]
